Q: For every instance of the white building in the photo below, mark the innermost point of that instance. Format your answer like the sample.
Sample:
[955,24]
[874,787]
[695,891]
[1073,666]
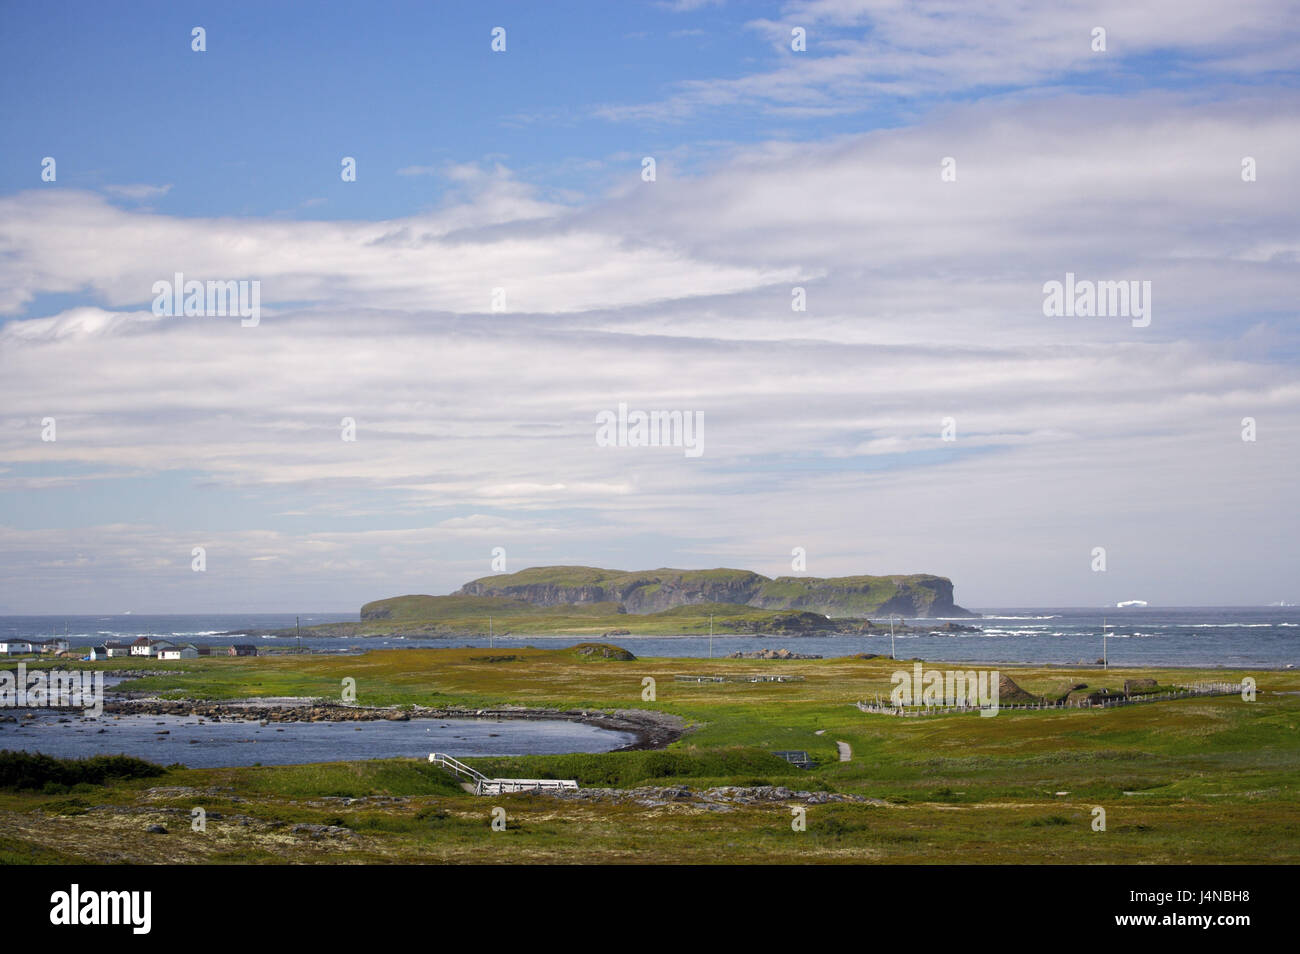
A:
[15,647]
[144,646]
[179,652]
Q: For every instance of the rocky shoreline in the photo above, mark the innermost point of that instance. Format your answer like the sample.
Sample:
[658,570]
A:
[771,654]
[653,730]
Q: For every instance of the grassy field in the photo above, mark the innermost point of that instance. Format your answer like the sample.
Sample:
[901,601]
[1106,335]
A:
[1195,780]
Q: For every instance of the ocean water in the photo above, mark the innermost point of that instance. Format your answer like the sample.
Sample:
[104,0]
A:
[1230,637]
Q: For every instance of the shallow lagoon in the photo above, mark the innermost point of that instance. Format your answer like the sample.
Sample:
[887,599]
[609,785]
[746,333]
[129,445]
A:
[210,744]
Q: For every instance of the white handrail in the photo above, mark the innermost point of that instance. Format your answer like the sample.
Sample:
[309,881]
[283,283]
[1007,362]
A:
[460,768]
[500,786]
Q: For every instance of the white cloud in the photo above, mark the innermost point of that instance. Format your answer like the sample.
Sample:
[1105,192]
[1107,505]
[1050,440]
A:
[138,192]
[822,427]
[67,242]
[865,54]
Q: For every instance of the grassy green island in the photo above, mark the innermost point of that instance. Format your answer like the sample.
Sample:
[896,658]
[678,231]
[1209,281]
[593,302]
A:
[1205,780]
[590,601]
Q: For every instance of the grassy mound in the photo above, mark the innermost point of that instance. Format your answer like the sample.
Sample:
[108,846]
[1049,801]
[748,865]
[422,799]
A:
[600,651]
[1010,693]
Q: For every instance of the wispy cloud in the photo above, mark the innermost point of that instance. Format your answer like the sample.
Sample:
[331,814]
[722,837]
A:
[865,54]
[138,193]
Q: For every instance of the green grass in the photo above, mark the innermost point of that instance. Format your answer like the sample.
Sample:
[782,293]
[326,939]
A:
[595,576]
[736,765]
[1209,780]
[452,608]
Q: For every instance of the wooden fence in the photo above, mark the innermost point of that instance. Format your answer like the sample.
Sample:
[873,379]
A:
[884,707]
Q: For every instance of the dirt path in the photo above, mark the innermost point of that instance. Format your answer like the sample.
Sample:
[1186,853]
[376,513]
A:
[846,752]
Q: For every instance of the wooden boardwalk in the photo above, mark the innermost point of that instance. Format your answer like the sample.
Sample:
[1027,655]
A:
[501,786]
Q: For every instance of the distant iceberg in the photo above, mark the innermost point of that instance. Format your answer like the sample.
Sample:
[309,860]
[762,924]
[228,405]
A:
[1130,603]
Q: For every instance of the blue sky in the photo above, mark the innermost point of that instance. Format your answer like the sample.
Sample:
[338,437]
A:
[282,90]
[522,171]
[257,124]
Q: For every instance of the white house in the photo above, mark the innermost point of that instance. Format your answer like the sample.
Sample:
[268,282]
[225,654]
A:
[144,646]
[15,647]
[57,645]
[114,650]
[179,652]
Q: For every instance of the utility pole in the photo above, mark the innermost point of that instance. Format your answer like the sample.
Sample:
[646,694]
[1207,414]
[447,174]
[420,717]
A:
[490,635]
[1105,661]
[297,624]
[710,635]
[891,637]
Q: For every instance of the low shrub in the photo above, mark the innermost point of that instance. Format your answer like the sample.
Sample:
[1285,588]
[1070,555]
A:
[24,770]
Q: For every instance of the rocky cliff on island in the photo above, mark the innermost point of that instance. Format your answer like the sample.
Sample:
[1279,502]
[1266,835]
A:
[591,601]
[654,591]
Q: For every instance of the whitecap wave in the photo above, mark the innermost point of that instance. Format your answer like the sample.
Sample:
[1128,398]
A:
[1022,617]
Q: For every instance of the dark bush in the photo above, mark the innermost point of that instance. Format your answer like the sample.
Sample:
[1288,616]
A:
[24,770]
